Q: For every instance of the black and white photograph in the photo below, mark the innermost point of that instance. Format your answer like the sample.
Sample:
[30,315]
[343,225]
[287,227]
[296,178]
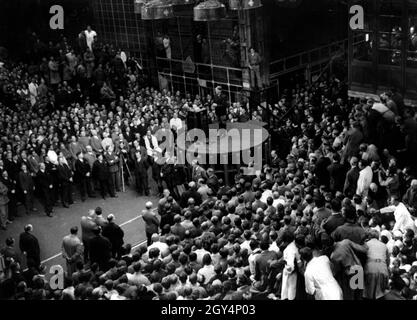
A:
[176,152]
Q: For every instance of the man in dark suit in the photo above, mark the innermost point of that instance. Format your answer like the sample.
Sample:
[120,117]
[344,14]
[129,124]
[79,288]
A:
[141,173]
[178,229]
[113,162]
[115,234]
[337,174]
[102,175]
[352,177]
[52,170]
[12,189]
[336,219]
[65,178]
[83,176]
[220,102]
[190,193]
[29,246]
[27,186]
[262,262]
[151,222]
[45,183]
[350,229]
[100,250]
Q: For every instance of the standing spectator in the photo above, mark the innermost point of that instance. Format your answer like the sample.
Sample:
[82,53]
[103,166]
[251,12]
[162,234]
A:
[352,141]
[90,37]
[151,221]
[87,227]
[365,178]
[45,183]
[113,163]
[100,250]
[72,250]
[65,179]
[29,245]
[11,187]
[54,75]
[102,175]
[27,186]
[115,235]
[255,68]
[291,257]
[337,174]
[4,200]
[376,267]
[352,176]
[166,41]
[141,173]
[346,265]
[319,279]
[410,197]
[83,176]
[403,218]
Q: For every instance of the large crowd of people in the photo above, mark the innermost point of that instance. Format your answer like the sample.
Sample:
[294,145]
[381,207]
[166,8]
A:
[329,217]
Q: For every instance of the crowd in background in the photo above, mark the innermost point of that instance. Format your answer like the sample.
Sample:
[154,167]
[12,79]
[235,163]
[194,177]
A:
[333,205]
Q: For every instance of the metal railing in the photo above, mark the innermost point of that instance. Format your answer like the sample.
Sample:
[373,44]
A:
[204,73]
[303,59]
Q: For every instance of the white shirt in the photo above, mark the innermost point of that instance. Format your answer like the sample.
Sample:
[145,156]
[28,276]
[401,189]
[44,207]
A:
[278,201]
[152,145]
[403,219]
[106,142]
[207,272]
[319,280]
[33,90]
[175,122]
[89,36]
[289,276]
[364,181]
[162,246]
[265,195]
[53,157]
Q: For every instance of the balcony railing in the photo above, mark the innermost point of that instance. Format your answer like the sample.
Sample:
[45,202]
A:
[301,60]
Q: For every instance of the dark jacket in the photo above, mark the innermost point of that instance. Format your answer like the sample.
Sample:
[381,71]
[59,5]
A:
[29,243]
[151,221]
[332,222]
[114,233]
[351,231]
[100,250]
[81,169]
[25,181]
[44,180]
[337,176]
[100,170]
[64,174]
[351,182]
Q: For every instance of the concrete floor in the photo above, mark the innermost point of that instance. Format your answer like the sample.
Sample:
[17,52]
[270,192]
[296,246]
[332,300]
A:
[50,231]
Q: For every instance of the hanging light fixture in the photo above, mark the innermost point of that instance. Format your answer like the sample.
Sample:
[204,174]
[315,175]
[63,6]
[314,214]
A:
[244,4]
[157,10]
[137,6]
[210,10]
